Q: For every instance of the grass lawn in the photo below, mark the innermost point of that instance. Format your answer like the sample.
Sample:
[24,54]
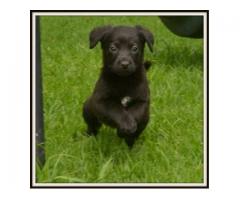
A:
[170,150]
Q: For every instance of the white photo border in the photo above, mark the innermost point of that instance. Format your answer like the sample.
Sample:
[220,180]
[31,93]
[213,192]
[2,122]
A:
[35,13]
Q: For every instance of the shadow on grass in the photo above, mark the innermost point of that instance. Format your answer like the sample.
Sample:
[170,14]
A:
[186,56]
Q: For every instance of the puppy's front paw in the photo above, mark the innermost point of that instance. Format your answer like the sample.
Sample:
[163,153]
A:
[128,126]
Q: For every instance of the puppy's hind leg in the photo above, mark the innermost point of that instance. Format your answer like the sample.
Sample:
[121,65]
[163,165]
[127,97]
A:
[91,120]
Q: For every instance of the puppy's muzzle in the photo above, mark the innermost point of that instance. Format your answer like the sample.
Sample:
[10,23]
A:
[124,64]
[123,67]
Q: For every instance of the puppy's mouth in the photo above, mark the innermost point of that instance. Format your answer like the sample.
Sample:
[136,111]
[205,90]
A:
[123,73]
[120,71]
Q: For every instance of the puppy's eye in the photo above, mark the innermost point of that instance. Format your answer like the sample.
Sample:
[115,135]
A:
[113,49]
[134,49]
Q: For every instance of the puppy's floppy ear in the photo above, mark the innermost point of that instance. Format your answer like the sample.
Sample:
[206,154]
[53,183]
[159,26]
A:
[147,36]
[97,35]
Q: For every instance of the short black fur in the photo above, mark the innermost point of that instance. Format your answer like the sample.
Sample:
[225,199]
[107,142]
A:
[121,96]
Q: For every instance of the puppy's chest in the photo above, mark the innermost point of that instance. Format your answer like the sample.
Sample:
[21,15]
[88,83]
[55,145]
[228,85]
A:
[126,101]
[125,97]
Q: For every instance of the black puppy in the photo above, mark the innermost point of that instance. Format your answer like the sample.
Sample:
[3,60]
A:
[121,95]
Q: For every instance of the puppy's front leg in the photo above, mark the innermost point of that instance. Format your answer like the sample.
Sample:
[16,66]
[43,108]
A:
[140,112]
[113,114]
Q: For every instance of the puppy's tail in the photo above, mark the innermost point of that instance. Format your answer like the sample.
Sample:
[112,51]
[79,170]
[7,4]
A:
[147,64]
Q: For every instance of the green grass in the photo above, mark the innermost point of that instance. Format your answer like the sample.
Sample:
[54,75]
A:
[170,150]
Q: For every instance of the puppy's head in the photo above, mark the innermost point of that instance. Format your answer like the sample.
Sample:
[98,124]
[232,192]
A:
[122,47]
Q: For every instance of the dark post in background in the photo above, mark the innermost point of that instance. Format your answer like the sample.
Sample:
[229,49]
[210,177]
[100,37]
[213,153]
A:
[40,153]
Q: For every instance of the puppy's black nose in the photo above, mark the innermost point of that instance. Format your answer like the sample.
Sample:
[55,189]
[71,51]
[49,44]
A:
[125,64]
